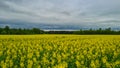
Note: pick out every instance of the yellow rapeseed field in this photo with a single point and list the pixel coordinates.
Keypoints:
(59, 51)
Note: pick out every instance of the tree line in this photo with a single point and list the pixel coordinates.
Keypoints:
(8, 30)
(19, 31)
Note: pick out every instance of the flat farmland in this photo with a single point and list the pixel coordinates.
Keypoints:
(59, 51)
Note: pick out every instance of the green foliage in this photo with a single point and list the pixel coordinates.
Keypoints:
(8, 30)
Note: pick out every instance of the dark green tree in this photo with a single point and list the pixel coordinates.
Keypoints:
(7, 30)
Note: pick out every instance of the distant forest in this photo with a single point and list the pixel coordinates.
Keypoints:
(9, 31)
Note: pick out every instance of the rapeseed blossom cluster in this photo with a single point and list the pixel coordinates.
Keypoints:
(59, 51)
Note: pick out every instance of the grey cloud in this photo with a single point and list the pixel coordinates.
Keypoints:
(80, 12)
(3, 6)
(65, 13)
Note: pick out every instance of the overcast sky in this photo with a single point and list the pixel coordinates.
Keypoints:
(78, 12)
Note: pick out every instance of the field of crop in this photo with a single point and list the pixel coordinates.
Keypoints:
(59, 51)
